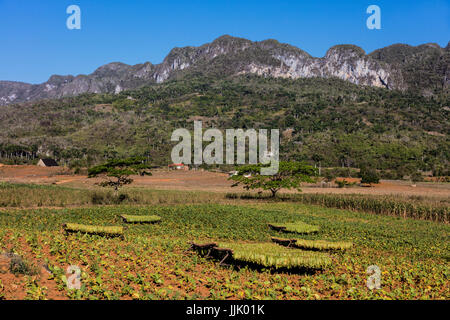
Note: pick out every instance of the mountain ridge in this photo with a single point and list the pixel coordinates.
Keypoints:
(392, 67)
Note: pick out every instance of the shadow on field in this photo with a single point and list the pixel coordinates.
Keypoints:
(238, 265)
(226, 260)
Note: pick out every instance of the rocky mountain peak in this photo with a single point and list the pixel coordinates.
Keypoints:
(58, 80)
(346, 51)
(113, 67)
(226, 56)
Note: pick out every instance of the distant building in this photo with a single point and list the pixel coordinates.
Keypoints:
(47, 163)
(178, 166)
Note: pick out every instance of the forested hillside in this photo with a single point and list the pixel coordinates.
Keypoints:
(330, 121)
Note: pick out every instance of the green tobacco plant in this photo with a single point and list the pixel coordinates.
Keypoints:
(140, 219)
(271, 255)
(290, 175)
(313, 244)
(151, 262)
(118, 172)
(294, 227)
(112, 231)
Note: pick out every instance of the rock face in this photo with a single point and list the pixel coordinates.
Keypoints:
(425, 68)
(348, 63)
(388, 67)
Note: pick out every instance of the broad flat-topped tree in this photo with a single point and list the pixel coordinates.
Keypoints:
(118, 172)
(290, 175)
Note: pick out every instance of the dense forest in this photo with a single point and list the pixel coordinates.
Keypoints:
(326, 122)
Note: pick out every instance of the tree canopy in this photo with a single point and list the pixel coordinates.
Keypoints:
(369, 175)
(117, 171)
(290, 176)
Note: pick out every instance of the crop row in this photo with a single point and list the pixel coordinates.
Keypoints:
(378, 205)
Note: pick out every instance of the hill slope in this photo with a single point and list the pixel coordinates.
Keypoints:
(330, 119)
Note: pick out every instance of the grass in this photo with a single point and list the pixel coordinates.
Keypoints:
(16, 195)
(407, 207)
(29, 195)
(272, 256)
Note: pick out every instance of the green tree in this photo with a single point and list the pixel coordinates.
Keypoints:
(289, 176)
(117, 172)
(317, 158)
(329, 175)
(369, 175)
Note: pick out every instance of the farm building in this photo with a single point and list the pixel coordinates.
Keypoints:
(178, 166)
(47, 163)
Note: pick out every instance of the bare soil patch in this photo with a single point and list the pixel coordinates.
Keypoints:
(209, 181)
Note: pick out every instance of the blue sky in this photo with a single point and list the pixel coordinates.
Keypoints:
(35, 42)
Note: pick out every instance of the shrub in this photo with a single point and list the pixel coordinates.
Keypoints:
(416, 177)
(98, 197)
(17, 266)
(344, 183)
(369, 175)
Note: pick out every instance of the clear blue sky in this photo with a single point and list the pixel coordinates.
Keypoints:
(35, 42)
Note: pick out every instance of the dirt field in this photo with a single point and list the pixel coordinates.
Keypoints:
(206, 181)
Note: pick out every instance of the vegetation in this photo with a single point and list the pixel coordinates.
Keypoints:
(25, 195)
(342, 124)
(30, 195)
(100, 230)
(406, 207)
(344, 183)
(153, 261)
(416, 177)
(288, 176)
(118, 172)
(18, 266)
(423, 67)
(369, 176)
(314, 244)
(295, 227)
(329, 127)
(140, 219)
(272, 256)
